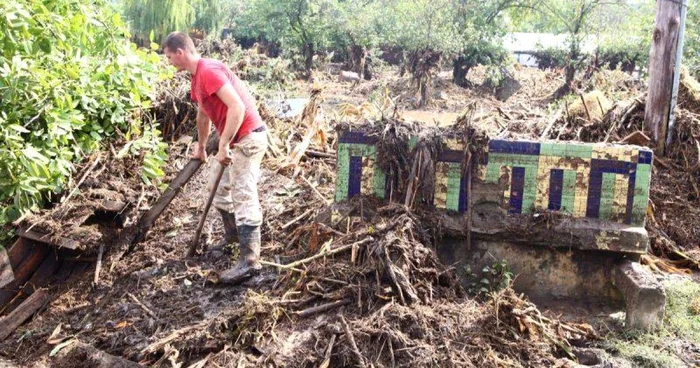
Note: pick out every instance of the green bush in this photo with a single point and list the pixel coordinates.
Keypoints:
(551, 57)
(624, 53)
(69, 78)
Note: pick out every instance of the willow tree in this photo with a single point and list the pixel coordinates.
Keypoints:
(160, 17)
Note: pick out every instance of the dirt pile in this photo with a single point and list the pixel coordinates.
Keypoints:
(95, 209)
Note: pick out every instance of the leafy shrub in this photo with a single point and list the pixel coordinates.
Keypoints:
(69, 78)
(624, 53)
(551, 57)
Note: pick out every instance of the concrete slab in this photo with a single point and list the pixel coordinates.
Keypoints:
(644, 296)
(541, 273)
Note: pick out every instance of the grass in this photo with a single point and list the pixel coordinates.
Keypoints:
(682, 322)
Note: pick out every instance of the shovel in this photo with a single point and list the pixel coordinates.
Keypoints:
(193, 247)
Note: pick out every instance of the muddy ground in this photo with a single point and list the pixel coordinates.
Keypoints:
(390, 301)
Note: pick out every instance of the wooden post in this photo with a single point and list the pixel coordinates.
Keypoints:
(661, 64)
(677, 73)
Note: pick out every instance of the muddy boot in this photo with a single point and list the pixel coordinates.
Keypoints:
(230, 234)
(248, 262)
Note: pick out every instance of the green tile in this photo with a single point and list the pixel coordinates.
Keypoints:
(412, 142)
(493, 172)
(513, 160)
(530, 188)
(454, 180)
(641, 194)
(566, 150)
(379, 181)
(607, 196)
(356, 149)
(342, 173)
(568, 192)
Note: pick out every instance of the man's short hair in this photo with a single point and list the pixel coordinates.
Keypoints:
(179, 40)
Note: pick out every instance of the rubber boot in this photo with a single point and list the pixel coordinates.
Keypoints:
(230, 233)
(248, 264)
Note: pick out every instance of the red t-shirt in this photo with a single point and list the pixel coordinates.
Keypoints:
(206, 81)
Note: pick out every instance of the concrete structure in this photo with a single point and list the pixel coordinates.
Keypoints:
(568, 217)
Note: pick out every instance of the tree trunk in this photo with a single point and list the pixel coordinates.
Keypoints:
(421, 64)
(356, 62)
(661, 63)
(308, 53)
(460, 70)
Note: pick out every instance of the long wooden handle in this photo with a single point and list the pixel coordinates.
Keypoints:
(198, 234)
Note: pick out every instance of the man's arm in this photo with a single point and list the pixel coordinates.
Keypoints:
(203, 129)
(234, 119)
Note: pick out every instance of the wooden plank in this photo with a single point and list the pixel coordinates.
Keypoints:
(661, 64)
(150, 217)
(41, 278)
(23, 273)
(65, 271)
(19, 251)
(46, 238)
(9, 323)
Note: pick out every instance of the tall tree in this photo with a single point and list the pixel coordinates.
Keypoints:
(480, 28)
(300, 25)
(161, 17)
(576, 18)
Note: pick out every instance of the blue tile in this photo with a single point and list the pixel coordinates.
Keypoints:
(514, 147)
(594, 190)
(358, 137)
(645, 157)
(451, 156)
(355, 179)
(517, 185)
(556, 183)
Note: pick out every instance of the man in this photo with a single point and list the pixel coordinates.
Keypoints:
(223, 99)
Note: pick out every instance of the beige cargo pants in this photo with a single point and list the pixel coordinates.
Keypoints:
(238, 190)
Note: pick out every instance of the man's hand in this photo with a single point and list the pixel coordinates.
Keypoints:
(223, 157)
(200, 153)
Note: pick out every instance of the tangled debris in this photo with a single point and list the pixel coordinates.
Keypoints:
(361, 287)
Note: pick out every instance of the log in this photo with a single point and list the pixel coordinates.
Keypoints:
(150, 217)
(323, 308)
(24, 272)
(40, 279)
(19, 251)
(9, 323)
(661, 64)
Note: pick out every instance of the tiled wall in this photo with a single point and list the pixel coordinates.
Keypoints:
(607, 182)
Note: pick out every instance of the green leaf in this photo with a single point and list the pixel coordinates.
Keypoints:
(60, 346)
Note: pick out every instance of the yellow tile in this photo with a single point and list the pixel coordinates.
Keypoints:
(581, 198)
(454, 144)
(441, 185)
(620, 197)
(367, 183)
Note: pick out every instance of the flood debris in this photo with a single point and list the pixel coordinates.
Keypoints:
(359, 285)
